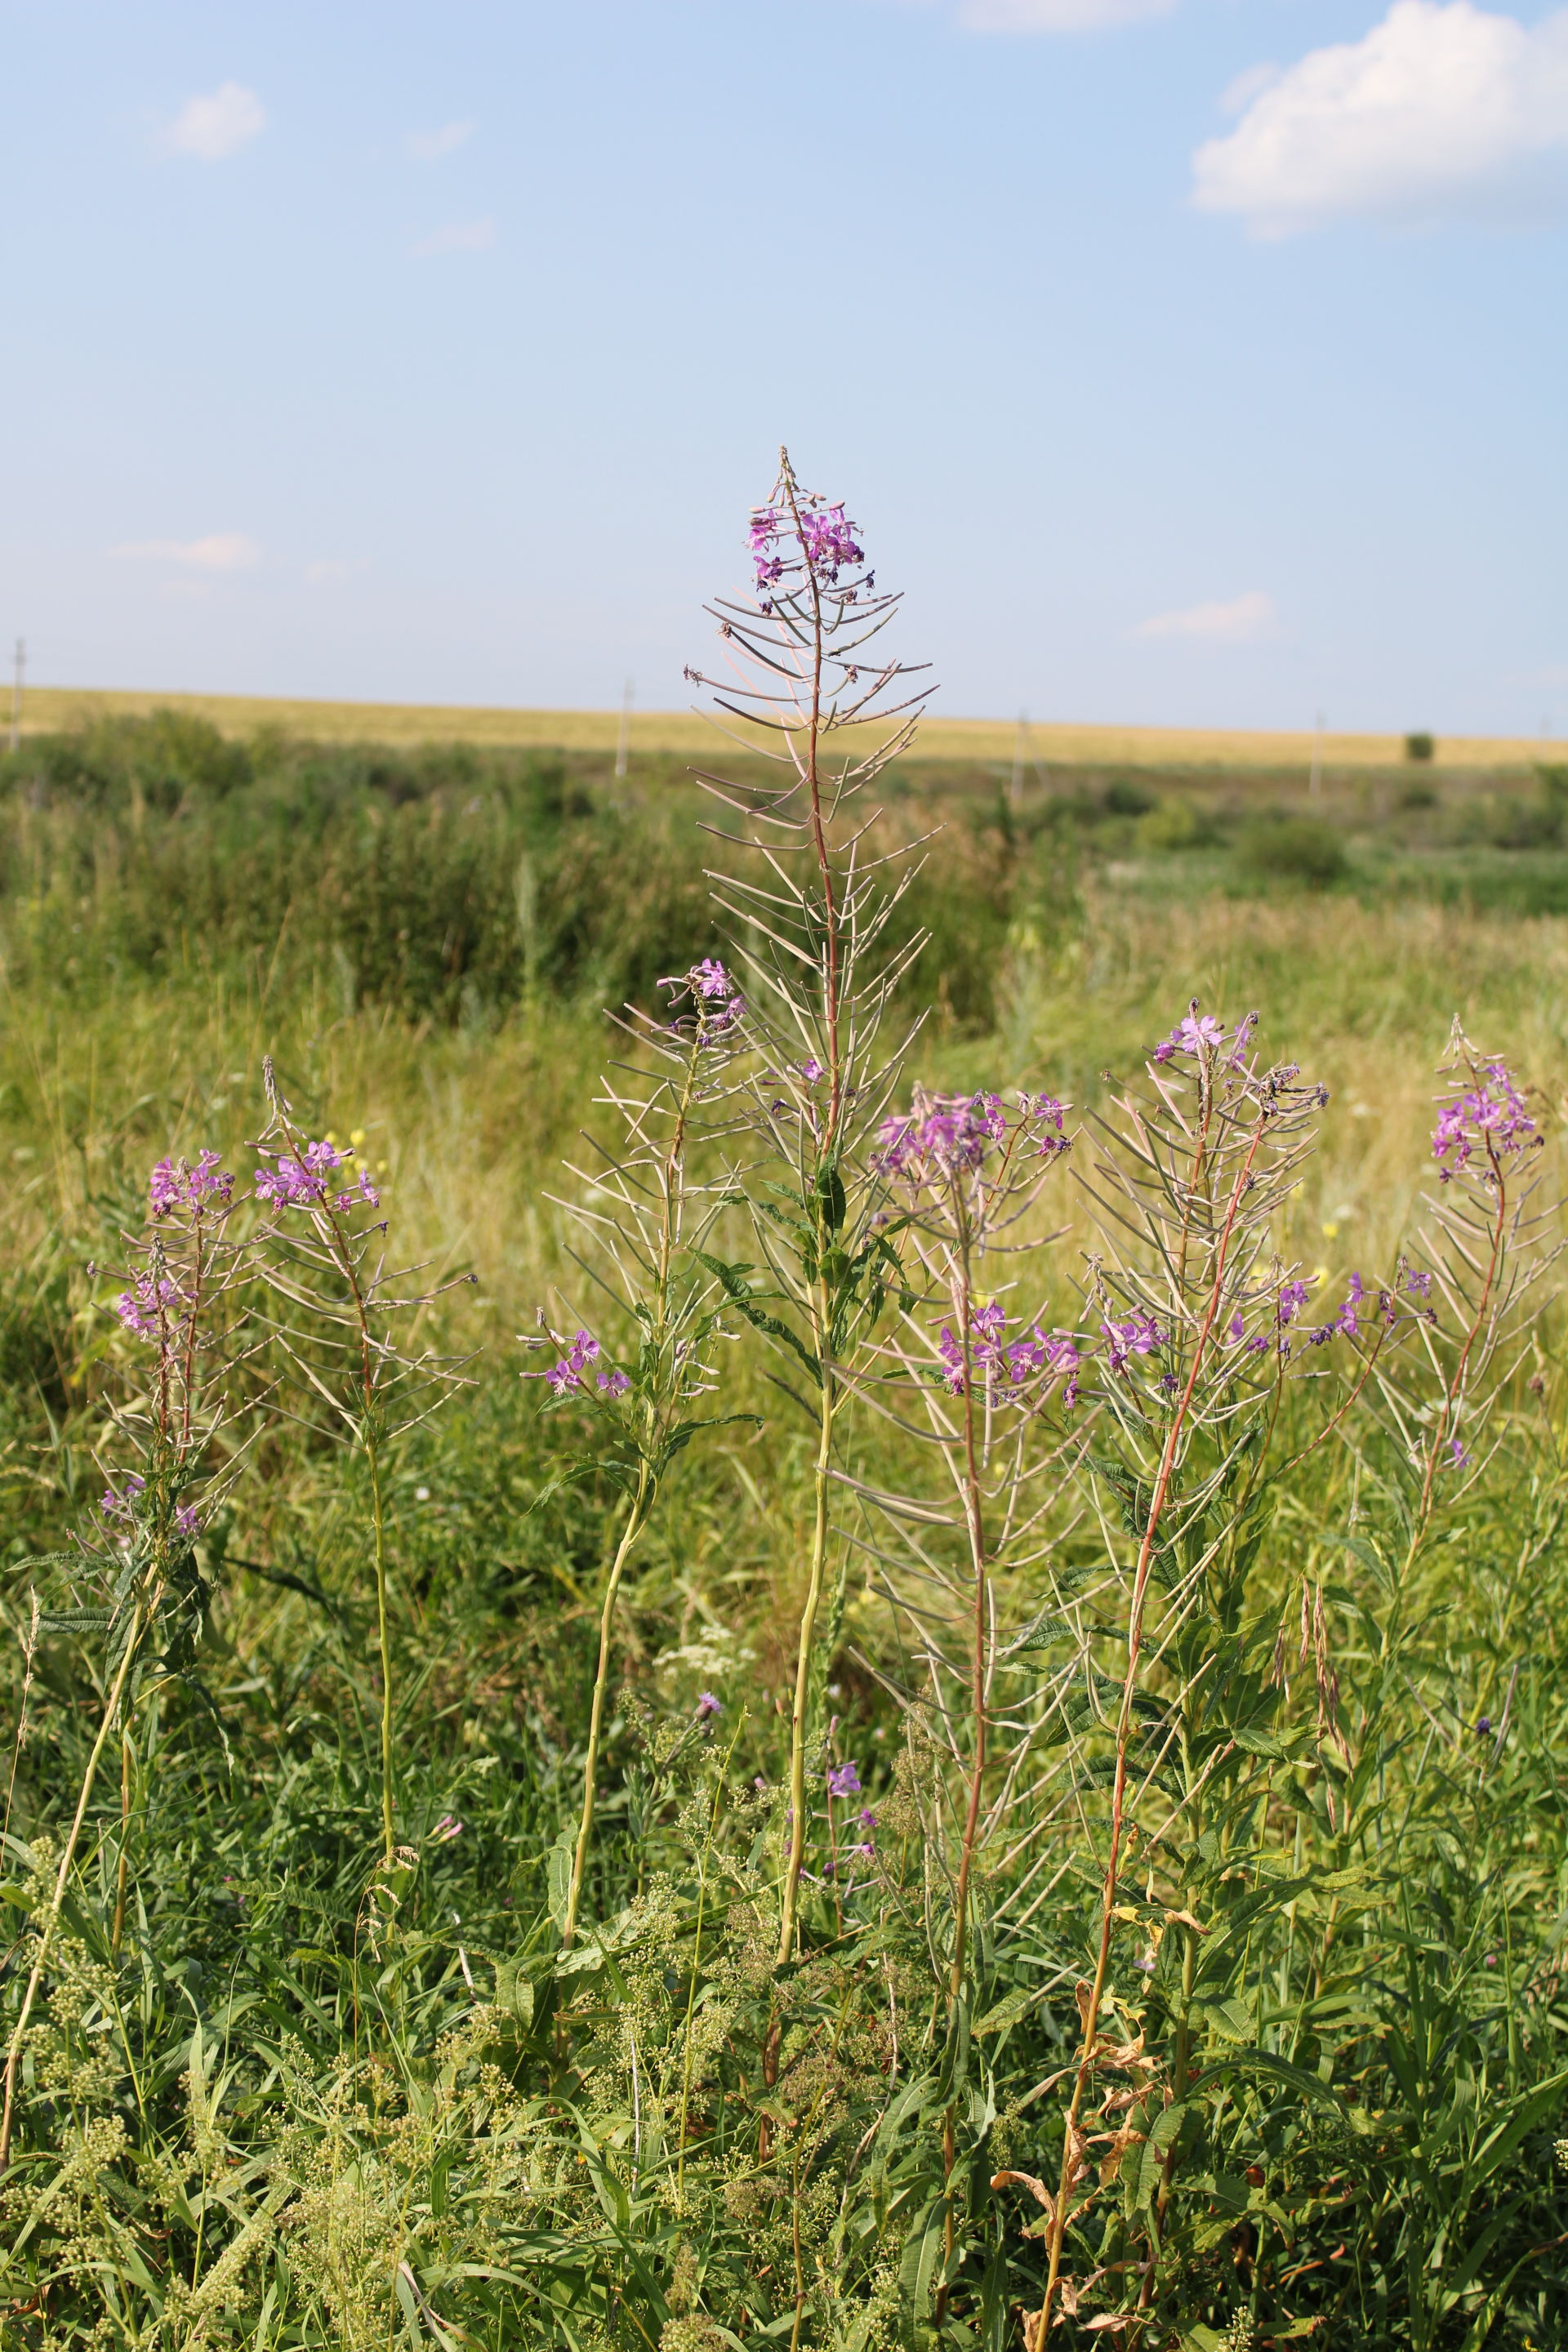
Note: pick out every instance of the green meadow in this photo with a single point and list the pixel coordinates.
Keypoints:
(275, 2093)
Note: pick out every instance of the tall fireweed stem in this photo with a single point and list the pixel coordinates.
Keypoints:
(631, 1528)
(805, 1651)
(646, 1236)
(384, 1643)
(1111, 1883)
(322, 1252)
(807, 930)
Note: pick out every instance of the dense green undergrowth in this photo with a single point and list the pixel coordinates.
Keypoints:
(280, 2092)
(454, 884)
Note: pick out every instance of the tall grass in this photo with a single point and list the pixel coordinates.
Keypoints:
(299, 2097)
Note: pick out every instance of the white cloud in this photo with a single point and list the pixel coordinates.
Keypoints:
(466, 237)
(1242, 621)
(335, 567)
(218, 124)
(1237, 95)
(1054, 16)
(429, 146)
(223, 551)
(1441, 109)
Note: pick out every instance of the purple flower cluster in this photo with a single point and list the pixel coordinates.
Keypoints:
(1490, 1118)
(829, 541)
(1200, 1033)
(175, 1184)
(299, 1181)
(763, 538)
(1018, 1361)
(1047, 1115)
(956, 1133)
(566, 1377)
(843, 1780)
(1133, 1335)
(140, 1307)
(827, 538)
(719, 1004)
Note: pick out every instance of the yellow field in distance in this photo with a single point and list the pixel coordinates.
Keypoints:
(689, 735)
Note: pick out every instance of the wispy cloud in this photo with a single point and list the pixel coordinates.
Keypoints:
(1242, 621)
(429, 146)
(218, 124)
(335, 567)
(464, 237)
(1054, 16)
(228, 551)
(1442, 111)
(1045, 15)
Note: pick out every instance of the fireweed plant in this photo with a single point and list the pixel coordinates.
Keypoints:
(338, 1308)
(1127, 1933)
(644, 1218)
(805, 663)
(139, 1580)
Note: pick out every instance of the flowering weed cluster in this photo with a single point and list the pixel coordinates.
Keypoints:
(1077, 1895)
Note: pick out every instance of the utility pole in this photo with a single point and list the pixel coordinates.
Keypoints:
(1315, 781)
(624, 739)
(19, 671)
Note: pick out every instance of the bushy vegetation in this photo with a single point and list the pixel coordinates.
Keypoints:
(837, 1842)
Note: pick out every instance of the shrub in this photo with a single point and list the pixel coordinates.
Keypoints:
(1123, 797)
(1171, 824)
(1292, 849)
(1420, 746)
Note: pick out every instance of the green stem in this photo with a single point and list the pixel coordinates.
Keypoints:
(635, 1519)
(383, 1635)
(51, 1917)
(803, 1662)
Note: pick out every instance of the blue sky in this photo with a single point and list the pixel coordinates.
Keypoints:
(1198, 362)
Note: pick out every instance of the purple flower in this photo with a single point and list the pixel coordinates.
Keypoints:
(1046, 1113)
(446, 1829)
(708, 1705)
(867, 1818)
(1457, 1457)
(1293, 1297)
(1135, 1335)
(615, 1383)
(1197, 1033)
(364, 1191)
(298, 1182)
(843, 1780)
(951, 1350)
(141, 1309)
(121, 1505)
(944, 1134)
(1035, 1353)
(720, 1004)
(566, 1378)
(175, 1184)
(1490, 1116)
(829, 541)
(1418, 1285)
(187, 1519)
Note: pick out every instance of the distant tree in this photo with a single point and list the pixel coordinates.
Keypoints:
(1419, 746)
